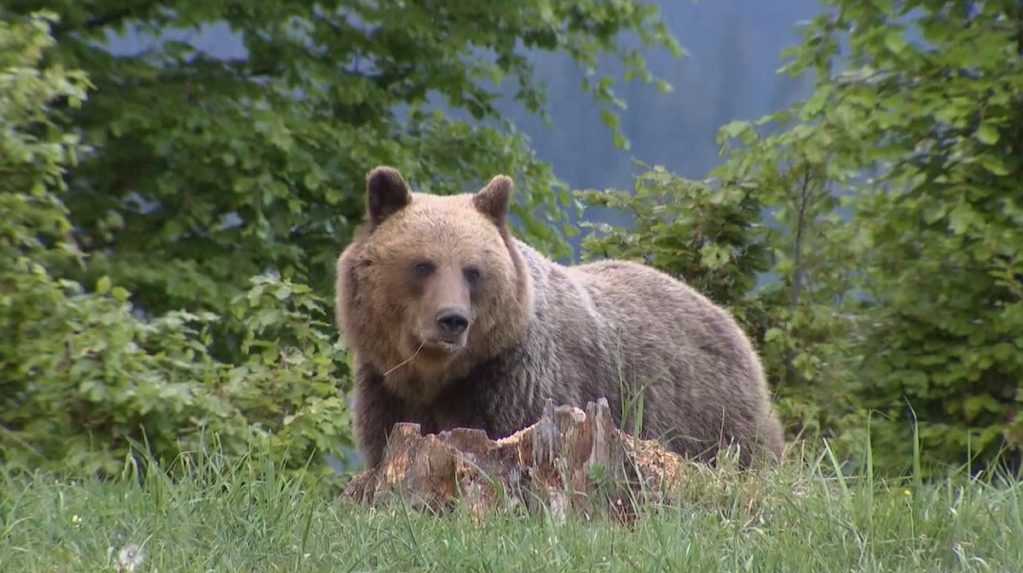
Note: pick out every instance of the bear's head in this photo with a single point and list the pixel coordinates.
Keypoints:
(432, 285)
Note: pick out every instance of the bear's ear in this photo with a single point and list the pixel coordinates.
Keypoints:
(386, 194)
(494, 199)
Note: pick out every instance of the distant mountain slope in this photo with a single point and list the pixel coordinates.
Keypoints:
(734, 49)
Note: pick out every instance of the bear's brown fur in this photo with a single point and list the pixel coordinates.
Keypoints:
(455, 323)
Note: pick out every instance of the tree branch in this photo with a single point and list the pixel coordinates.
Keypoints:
(105, 20)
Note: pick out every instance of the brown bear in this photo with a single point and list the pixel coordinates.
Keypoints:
(455, 323)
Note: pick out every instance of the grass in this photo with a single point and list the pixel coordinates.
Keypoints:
(249, 516)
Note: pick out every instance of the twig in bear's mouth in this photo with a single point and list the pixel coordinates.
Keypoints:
(407, 360)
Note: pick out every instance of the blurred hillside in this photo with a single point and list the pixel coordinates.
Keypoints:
(733, 49)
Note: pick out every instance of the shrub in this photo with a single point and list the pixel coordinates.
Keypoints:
(86, 376)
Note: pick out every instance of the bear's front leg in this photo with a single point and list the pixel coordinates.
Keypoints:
(376, 412)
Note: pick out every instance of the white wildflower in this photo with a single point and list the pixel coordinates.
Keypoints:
(129, 558)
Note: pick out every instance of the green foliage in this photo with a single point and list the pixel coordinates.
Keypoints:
(934, 121)
(290, 387)
(85, 378)
(207, 171)
(870, 238)
(34, 152)
(810, 323)
(894, 222)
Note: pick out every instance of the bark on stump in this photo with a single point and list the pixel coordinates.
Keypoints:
(569, 461)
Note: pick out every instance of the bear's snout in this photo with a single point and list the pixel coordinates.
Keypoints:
(452, 323)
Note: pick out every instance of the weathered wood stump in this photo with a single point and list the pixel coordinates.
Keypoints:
(569, 460)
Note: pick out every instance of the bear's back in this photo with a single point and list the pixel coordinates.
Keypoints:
(637, 328)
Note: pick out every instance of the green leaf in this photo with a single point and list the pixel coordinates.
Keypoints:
(817, 101)
(895, 41)
(994, 164)
(120, 294)
(987, 134)
(732, 130)
(714, 256)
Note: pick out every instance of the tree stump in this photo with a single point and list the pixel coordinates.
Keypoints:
(569, 461)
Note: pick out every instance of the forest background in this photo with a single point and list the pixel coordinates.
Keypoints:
(177, 179)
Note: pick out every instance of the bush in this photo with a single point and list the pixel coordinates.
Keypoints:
(925, 116)
(87, 377)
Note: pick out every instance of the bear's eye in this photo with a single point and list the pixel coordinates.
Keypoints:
(472, 275)
(423, 269)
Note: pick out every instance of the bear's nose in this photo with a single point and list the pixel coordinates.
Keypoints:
(452, 321)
